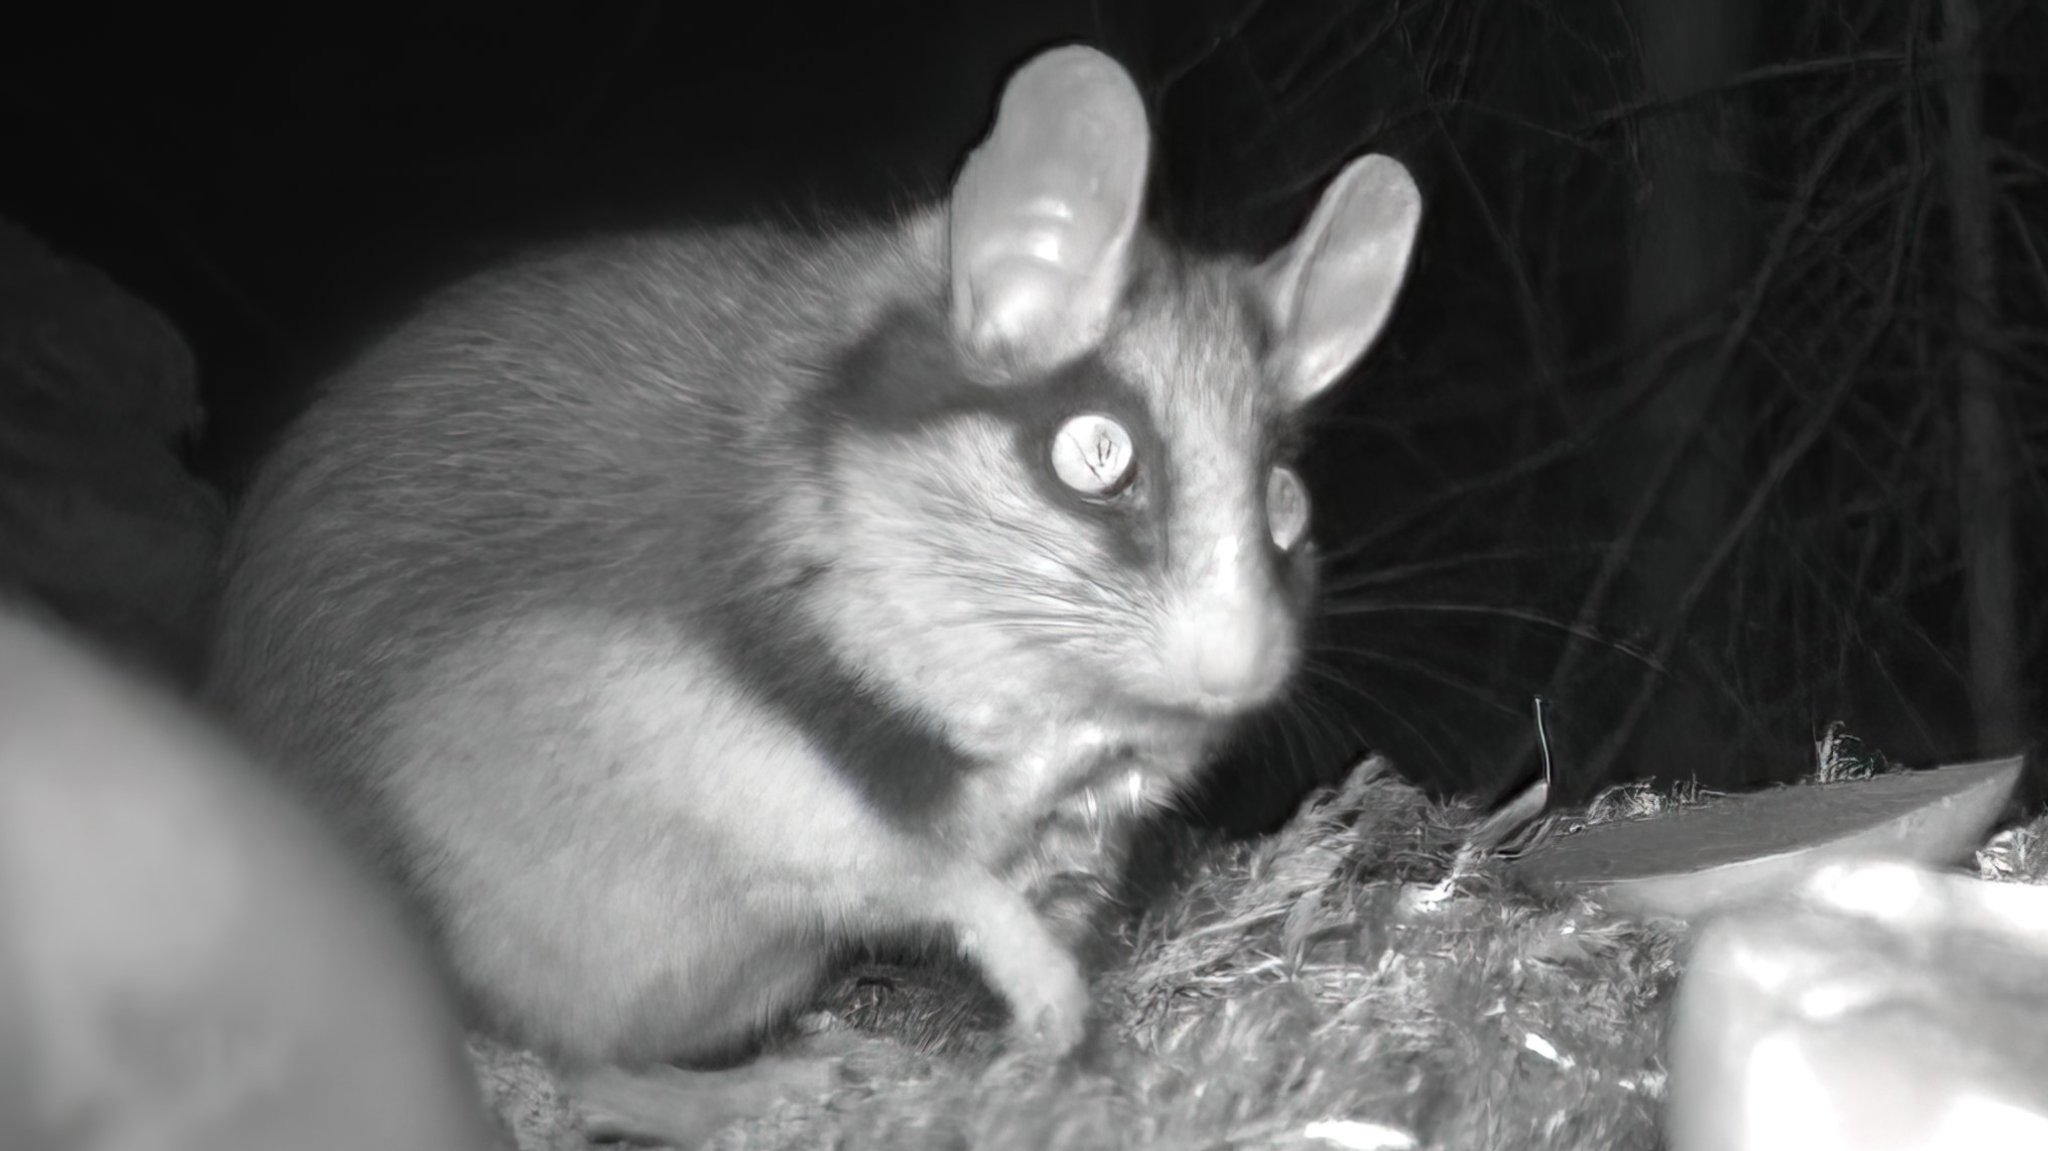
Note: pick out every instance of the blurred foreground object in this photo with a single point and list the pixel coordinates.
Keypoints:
(1690, 861)
(185, 961)
(1883, 1007)
(99, 517)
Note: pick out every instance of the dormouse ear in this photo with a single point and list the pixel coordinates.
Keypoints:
(1045, 210)
(1330, 291)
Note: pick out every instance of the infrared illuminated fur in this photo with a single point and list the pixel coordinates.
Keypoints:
(669, 612)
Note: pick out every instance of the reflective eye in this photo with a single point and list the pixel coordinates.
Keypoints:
(1286, 508)
(1092, 454)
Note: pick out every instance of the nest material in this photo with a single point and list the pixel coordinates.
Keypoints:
(1324, 987)
(1329, 987)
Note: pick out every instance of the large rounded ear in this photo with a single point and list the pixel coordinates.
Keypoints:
(1330, 291)
(1045, 211)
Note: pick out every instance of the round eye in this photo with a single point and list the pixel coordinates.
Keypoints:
(1093, 455)
(1286, 508)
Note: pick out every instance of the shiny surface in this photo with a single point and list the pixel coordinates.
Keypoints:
(1884, 1007)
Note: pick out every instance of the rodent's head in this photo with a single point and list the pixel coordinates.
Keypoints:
(1074, 474)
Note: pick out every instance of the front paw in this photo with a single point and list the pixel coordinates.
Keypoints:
(1050, 1010)
(1037, 977)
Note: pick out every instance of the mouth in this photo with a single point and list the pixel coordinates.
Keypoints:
(1220, 706)
(1210, 709)
(1179, 703)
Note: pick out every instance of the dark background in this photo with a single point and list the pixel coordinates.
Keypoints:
(1666, 430)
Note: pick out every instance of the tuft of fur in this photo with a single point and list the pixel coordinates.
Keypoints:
(1330, 978)
(1321, 976)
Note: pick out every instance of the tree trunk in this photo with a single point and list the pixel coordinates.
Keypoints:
(1985, 459)
(1692, 240)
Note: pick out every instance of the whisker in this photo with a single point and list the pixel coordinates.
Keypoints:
(1335, 721)
(1339, 579)
(1429, 672)
(1322, 671)
(1522, 615)
(1400, 718)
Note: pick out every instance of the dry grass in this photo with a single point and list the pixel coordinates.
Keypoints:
(1324, 975)
(1325, 988)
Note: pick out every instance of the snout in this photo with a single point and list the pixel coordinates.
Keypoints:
(1230, 658)
(1231, 642)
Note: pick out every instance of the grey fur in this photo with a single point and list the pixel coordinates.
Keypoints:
(601, 608)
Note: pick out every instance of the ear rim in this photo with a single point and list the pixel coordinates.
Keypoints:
(1383, 192)
(1066, 93)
